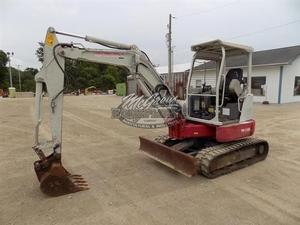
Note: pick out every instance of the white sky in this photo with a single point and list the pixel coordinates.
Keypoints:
(143, 22)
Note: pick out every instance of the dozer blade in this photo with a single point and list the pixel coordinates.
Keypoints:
(55, 180)
(181, 162)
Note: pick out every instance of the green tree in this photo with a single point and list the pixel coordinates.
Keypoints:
(40, 52)
(118, 73)
(3, 69)
(82, 74)
(107, 82)
(32, 71)
(27, 79)
(3, 59)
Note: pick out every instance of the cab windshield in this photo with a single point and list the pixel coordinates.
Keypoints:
(203, 77)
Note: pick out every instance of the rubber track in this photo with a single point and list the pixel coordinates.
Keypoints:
(206, 156)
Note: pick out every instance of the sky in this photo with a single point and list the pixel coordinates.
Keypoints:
(261, 24)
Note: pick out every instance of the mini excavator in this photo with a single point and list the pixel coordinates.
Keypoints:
(213, 128)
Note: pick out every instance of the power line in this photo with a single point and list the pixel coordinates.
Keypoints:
(209, 10)
(265, 29)
(254, 32)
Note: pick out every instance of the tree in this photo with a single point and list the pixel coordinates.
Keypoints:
(3, 59)
(82, 74)
(107, 82)
(27, 78)
(118, 73)
(3, 69)
(40, 52)
(32, 71)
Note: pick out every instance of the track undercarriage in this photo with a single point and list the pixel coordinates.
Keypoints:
(206, 157)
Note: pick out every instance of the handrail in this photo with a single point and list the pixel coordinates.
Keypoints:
(223, 91)
(202, 95)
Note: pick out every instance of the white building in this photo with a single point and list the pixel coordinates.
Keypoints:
(275, 76)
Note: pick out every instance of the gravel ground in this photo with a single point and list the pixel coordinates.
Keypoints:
(129, 188)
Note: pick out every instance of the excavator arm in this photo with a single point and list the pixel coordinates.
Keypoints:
(54, 178)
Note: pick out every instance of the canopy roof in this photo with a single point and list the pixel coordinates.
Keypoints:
(214, 48)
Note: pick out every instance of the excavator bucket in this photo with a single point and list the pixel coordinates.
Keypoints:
(55, 180)
(171, 157)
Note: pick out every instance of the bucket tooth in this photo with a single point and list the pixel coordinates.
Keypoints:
(55, 180)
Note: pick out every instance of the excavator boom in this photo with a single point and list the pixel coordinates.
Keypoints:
(54, 179)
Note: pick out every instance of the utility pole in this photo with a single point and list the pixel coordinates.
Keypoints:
(169, 41)
(20, 86)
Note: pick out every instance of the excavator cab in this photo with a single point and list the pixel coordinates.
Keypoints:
(216, 94)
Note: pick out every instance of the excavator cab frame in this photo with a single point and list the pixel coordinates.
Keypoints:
(210, 102)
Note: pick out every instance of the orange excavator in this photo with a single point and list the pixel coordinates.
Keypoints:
(209, 133)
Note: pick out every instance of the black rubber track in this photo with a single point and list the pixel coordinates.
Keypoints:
(211, 155)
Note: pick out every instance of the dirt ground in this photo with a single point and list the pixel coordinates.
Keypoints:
(127, 187)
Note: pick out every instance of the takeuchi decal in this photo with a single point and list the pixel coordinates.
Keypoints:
(107, 53)
(155, 111)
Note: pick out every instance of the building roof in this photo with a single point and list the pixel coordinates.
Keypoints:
(278, 56)
(176, 68)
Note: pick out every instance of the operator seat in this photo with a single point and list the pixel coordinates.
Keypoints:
(234, 79)
(233, 90)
